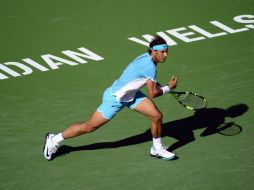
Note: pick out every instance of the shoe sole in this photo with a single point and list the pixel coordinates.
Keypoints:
(45, 141)
(160, 157)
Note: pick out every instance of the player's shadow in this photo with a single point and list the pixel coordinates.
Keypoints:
(209, 119)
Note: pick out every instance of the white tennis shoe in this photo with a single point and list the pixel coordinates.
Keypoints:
(50, 147)
(162, 153)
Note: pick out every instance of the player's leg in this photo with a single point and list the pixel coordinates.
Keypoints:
(90, 125)
(106, 111)
(52, 141)
(147, 107)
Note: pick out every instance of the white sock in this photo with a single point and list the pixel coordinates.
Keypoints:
(58, 138)
(157, 143)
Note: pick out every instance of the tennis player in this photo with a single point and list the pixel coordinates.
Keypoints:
(125, 92)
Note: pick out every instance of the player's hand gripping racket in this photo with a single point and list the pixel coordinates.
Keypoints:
(190, 100)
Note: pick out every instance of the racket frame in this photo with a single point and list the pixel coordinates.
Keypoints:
(176, 95)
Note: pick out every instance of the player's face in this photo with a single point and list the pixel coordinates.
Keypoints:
(160, 56)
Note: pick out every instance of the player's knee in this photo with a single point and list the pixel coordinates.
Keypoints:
(157, 116)
(88, 127)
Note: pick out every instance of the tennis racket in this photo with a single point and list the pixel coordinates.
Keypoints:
(190, 100)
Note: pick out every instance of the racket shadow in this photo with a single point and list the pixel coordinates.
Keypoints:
(209, 119)
(212, 120)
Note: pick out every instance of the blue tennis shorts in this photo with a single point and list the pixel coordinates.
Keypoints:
(110, 106)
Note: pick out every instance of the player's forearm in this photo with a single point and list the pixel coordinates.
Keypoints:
(155, 92)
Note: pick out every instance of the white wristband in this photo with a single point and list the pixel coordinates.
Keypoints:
(165, 89)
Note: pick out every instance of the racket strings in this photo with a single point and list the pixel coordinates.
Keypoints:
(193, 101)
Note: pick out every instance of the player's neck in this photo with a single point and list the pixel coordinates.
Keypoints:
(155, 61)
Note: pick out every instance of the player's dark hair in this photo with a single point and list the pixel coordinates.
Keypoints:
(157, 40)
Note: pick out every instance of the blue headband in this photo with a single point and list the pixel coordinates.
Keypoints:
(159, 47)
